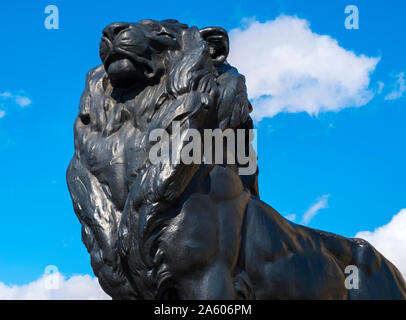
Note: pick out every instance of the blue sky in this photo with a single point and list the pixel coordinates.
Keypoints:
(353, 156)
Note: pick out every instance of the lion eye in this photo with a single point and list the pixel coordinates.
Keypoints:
(165, 34)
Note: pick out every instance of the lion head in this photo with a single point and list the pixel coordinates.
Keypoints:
(140, 53)
(153, 73)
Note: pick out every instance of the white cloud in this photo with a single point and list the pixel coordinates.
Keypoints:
(380, 87)
(2, 113)
(399, 88)
(6, 95)
(22, 101)
(55, 287)
(289, 68)
(390, 240)
(321, 203)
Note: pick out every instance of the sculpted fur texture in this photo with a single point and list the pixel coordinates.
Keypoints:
(191, 231)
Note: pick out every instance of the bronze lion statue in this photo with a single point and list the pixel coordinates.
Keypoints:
(198, 230)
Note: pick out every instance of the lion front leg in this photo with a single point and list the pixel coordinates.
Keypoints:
(98, 217)
(200, 245)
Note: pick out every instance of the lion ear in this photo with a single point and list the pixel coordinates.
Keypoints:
(217, 38)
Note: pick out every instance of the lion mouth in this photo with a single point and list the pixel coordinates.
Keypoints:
(114, 58)
(119, 63)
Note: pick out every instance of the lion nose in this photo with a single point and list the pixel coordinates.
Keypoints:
(114, 29)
